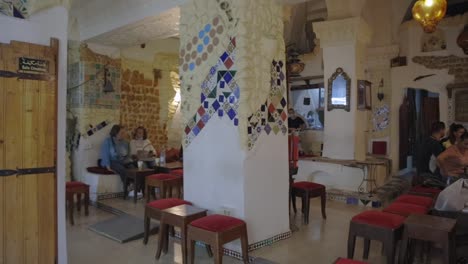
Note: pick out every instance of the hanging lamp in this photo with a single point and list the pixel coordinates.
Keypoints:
(429, 13)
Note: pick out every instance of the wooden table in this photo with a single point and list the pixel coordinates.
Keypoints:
(179, 216)
(432, 229)
(138, 176)
(166, 168)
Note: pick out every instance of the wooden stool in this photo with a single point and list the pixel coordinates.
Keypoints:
(76, 188)
(308, 190)
(429, 228)
(164, 182)
(375, 225)
(415, 199)
(405, 209)
(178, 216)
(153, 210)
(348, 261)
(217, 230)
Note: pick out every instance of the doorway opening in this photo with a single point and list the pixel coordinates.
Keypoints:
(419, 109)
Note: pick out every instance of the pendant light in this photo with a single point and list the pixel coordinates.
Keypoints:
(429, 13)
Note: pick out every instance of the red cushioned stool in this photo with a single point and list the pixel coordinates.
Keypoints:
(178, 172)
(153, 211)
(405, 209)
(307, 190)
(415, 199)
(217, 230)
(348, 261)
(424, 191)
(165, 183)
(376, 225)
(76, 188)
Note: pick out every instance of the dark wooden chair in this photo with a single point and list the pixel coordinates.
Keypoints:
(376, 225)
(165, 183)
(77, 189)
(217, 230)
(432, 229)
(308, 190)
(153, 210)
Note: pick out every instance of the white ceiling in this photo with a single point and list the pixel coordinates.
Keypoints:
(154, 27)
(162, 26)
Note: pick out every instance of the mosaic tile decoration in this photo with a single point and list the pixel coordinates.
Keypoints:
(86, 86)
(197, 51)
(272, 116)
(220, 95)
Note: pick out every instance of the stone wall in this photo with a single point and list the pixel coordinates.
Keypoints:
(140, 102)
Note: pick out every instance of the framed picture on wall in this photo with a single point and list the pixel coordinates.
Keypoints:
(364, 97)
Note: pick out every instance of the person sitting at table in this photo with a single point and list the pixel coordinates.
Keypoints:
(454, 160)
(455, 132)
(140, 145)
(115, 153)
(294, 121)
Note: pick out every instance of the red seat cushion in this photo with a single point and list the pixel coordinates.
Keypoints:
(99, 170)
(162, 176)
(178, 172)
(378, 218)
(422, 189)
(75, 184)
(405, 209)
(217, 223)
(162, 204)
(415, 199)
(349, 261)
(308, 185)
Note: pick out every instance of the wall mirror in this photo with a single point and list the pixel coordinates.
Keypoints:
(339, 90)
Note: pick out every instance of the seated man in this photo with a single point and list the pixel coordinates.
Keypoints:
(428, 152)
(454, 160)
(294, 121)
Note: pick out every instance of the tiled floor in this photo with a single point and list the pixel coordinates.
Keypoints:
(321, 241)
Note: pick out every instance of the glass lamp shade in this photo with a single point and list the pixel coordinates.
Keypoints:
(429, 13)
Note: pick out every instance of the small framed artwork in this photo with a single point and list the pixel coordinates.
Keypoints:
(364, 96)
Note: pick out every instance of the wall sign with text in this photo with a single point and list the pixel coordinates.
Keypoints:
(33, 65)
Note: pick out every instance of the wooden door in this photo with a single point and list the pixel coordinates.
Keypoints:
(28, 114)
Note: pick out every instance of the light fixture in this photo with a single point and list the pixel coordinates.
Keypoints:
(429, 13)
(380, 94)
(177, 97)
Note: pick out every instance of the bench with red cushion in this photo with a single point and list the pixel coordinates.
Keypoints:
(348, 261)
(415, 199)
(178, 172)
(217, 223)
(376, 225)
(405, 209)
(217, 230)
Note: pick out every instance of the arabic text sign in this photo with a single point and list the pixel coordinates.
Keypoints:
(33, 65)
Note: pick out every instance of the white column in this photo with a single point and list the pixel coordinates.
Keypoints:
(343, 42)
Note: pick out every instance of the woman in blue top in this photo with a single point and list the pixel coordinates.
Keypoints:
(115, 152)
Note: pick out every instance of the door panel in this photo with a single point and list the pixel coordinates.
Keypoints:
(27, 140)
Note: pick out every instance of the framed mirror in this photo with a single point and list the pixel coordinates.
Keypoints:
(339, 91)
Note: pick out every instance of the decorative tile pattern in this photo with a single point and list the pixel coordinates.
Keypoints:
(219, 95)
(197, 51)
(271, 117)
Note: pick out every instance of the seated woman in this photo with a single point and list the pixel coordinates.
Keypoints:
(140, 145)
(455, 132)
(454, 160)
(115, 153)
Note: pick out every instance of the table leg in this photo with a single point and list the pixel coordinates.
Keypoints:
(183, 242)
(161, 238)
(135, 189)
